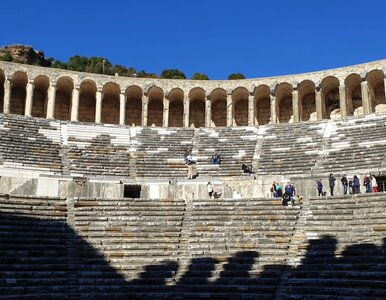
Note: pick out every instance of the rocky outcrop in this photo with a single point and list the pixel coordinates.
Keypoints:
(24, 54)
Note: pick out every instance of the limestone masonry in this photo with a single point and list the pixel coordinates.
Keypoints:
(74, 96)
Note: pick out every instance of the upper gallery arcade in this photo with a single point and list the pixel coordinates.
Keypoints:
(74, 96)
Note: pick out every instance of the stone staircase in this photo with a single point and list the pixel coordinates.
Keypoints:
(160, 152)
(235, 145)
(96, 150)
(289, 148)
(355, 144)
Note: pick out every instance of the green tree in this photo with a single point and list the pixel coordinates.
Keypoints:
(200, 76)
(77, 63)
(99, 65)
(172, 74)
(143, 74)
(234, 76)
(59, 65)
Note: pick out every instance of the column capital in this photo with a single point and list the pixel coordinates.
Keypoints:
(53, 83)
(99, 89)
(31, 81)
(295, 92)
(364, 83)
(122, 92)
(318, 88)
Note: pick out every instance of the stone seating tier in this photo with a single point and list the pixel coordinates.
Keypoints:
(190, 249)
(345, 258)
(23, 142)
(147, 152)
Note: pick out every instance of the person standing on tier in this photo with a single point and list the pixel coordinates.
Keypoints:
(356, 185)
(344, 182)
(319, 186)
(290, 190)
(331, 183)
(374, 184)
(366, 183)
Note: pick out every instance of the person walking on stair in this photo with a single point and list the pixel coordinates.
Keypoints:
(331, 182)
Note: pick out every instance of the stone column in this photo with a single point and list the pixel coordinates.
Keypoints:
(273, 109)
(251, 110)
(75, 103)
(165, 117)
(208, 112)
(318, 103)
(122, 107)
(186, 111)
(98, 108)
(145, 102)
(366, 100)
(343, 100)
(51, 100)
(29, 98)
(229, 110)
(7, 95)
(295, 105)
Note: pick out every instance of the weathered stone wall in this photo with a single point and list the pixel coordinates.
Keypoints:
(330, 82)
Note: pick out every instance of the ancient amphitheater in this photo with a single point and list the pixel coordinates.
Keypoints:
(95, 204)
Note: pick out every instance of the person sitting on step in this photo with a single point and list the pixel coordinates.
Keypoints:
(216, 159)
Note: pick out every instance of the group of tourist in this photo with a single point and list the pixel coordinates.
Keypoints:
(351, 185)
(287, 193)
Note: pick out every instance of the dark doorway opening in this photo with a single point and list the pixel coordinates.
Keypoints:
(381, 181)
(132, 191)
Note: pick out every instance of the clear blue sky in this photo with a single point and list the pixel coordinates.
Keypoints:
(215, 37)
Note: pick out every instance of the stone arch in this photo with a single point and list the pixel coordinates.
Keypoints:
(2, 81)
(133, 110)
(284, 102)
(376, 82)
(176, 108)
(218, 99)
(18, 93)
(40, 96)
(262, 100)
(63, 97)
(110, 103)
(87, 100)
(330, 95)
(354, 94)
(307, 101)
(197, 107)
(155, 107)
(240, 106)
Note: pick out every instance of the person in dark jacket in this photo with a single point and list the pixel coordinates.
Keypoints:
(319, 186)
(344, 182)
(331, 183)
(356, 184)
